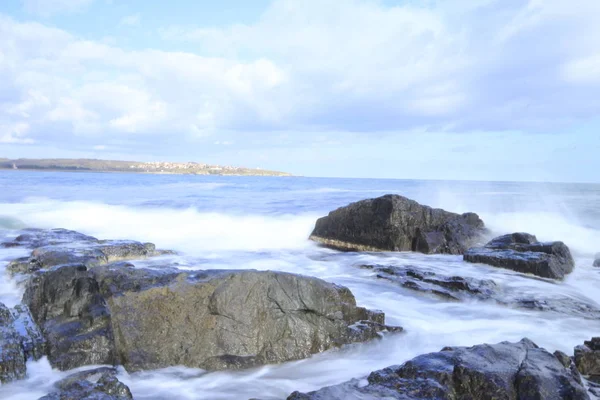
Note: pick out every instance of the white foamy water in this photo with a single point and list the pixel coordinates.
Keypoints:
(263, 223)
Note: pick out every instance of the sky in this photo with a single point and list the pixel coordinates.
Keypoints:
(421, 89)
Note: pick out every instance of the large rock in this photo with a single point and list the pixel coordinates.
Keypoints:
(597, 260)
(522, 252)
(20, 340)
(395, 223)
(510, 371)
(587, 359)
(59, 246)
(95, 384)
(152, 318)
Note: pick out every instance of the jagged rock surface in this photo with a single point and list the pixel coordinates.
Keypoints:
(522, 252)
(396, 223)
(511, 371)
(95, 384)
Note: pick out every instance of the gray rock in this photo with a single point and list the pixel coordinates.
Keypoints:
(20, 340)
(236, 319)
(395, 223)
(446, 287)
(95, 384)
(59, 246)
(522, 252)
(597, 260)
(587, 359)
(457, 288)
(66, 303)
(12, 357)
(511, 371)
(152, 318)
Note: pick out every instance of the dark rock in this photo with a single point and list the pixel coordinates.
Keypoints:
(95, 384)
(508, 371)
(597, 260)
(522, 252)
(12, 357)
(395, 223)
(147, 318)
(446, 287)
(20, 340)
(236, 319)
(457, 288)
(587, 359)
(66, 303)
(59, 246)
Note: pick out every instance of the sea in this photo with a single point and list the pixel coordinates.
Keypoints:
(263, 223)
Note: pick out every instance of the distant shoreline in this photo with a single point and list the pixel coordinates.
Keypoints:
(135, 167)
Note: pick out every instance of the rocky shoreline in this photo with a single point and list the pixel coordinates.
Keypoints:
(86, 304)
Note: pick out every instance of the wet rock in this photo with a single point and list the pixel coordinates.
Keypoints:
(446, 287)
(522, 252)
(59, 246)
(12, 357)
(597, 260)
(502, 371)
(395, 223)
(66, 303)
(20, 340)
(587, 359)
(457, 288)
(146, 318)
(236, 319)
(95, 384)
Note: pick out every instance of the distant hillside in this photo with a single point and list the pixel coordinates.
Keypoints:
(133, 166)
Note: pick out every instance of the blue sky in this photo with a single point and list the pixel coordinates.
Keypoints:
(446, 89)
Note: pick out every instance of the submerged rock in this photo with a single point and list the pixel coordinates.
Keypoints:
(152, 318)
(522, 252)
(511, 371)
(20, 340)
(587, 359)
(60, 246)
(457, 288)
(95, 384)
(446, 287)
(395, 223)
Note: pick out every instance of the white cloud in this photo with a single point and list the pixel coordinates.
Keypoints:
(48, 8)
(311, 66)
(131, 20)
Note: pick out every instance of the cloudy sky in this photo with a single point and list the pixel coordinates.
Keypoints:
(433, 89)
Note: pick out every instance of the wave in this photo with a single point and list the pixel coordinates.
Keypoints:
(185, 230)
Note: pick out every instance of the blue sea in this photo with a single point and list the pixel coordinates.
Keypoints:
(264, 222)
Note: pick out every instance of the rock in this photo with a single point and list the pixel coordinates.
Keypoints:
(587, 359)
(12, 357)
(95, 384)
(395, 223)
(457, 288)
(60, 246)
(522, 252)
(511, 371)
(597, 260)
(66, 303)
(446, 287)
(236, 319)
(146, 318)
(20, 340)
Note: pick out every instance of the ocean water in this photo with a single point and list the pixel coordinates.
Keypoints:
(263, 223)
